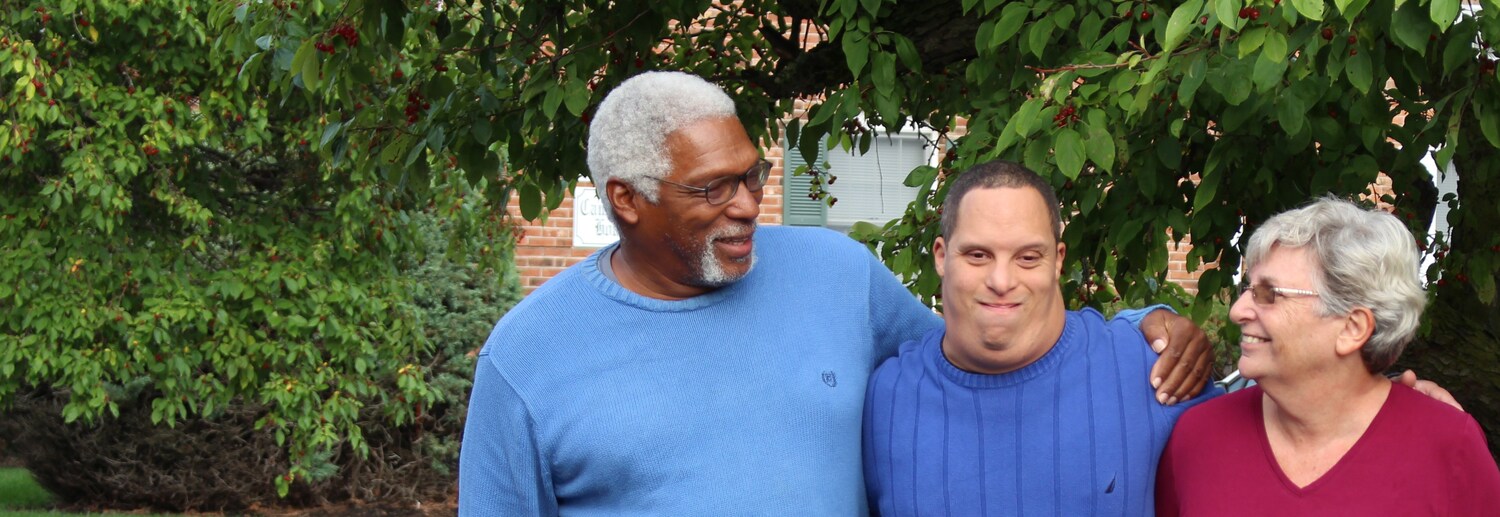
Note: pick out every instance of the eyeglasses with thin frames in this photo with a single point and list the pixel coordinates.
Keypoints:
(1265, 294)
(720, 191)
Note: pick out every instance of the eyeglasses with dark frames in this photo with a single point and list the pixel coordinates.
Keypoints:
(720, 191)
(1265, 294)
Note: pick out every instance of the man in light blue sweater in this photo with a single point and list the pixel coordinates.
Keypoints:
(701, 366)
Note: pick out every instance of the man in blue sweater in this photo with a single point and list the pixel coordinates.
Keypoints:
(701, 366)
(1018, 406)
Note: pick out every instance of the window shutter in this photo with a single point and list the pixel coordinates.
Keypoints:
(869, 187)
(797, 209)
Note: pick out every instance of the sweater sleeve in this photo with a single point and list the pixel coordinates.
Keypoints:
(500, 469)
(895, 314)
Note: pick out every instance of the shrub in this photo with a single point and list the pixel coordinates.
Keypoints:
(223, 459)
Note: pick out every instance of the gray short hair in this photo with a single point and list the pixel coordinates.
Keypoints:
(627, 138)
(1365, 258)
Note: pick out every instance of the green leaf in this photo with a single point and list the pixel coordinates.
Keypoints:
(577, 99)
(1275, 46)
(1444, 12)
(1169, 151)
(1025, 117)
(1357, 68)
(1038, 36)
(1100, 148)
(1068, 147)
(312, 71)
(552, 100)
(1228, 12)
(1459, 51)
(871, 6)
(856, 52)
(1268, 72)
(1183, 19)
(1351, 8)
(1011, 18)
(1411, 27)
(1251, 40)
(922, 175)
(531, 201)
(1192, 79)
(1207, 189)
(1489, 124)
(329, 132)
(299, 60)
(908, 53)
(1313, 9)
(1291, 112)
(481, 130)
(883, 71)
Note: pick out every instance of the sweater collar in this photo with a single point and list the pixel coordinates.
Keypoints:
(612, 289)
(1048, 362)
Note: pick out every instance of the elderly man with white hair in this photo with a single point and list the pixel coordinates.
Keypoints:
(1332, 299)
(701, 366)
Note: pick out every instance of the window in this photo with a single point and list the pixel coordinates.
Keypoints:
(868, 187)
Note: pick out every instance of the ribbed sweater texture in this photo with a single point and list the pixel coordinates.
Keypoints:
(1078, 432)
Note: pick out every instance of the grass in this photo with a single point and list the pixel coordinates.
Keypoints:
(20, 496)
(18, 490)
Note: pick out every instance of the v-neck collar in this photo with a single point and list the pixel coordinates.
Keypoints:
(1355, 450)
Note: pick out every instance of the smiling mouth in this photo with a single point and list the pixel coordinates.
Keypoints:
(998, 306)
(1247, 338)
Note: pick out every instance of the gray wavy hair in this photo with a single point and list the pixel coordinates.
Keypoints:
(627, 139)
(1366, 258)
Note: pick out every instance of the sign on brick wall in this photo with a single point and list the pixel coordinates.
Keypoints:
(591, 228)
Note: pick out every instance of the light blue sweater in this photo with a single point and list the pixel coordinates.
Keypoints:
(591, 400)
(1078, 432)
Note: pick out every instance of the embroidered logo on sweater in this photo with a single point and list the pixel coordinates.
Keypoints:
(829, 379)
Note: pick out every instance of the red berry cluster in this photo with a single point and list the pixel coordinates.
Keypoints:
(1067, 115)
(46, 17)
(346, 31)
(1328, 33)
(414, 106)
(339, 30)
(1250, 13)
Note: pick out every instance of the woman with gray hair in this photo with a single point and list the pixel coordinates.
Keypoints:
(1332, 298)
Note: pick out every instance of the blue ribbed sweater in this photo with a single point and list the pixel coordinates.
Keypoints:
(1078, 432)
(591, 400)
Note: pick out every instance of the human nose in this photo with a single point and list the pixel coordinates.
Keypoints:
(743, 204)
(1001, 278)
(1243, 309)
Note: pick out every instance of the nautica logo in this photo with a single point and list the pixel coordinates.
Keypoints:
(829, 379)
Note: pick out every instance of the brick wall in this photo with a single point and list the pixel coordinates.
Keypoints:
(1177, 266)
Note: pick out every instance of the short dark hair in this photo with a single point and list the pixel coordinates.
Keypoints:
(998, 174)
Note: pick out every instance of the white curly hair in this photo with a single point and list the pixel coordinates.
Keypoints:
(627, 139)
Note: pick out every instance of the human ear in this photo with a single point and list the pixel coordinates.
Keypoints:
(1359, 325)
(939, 254)
(624, 200)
